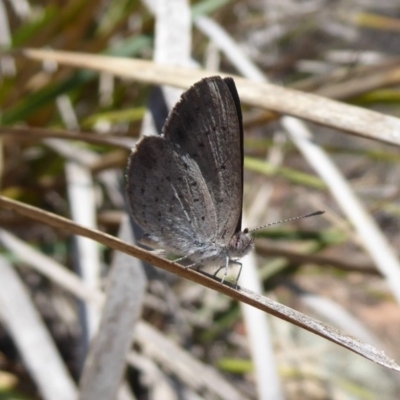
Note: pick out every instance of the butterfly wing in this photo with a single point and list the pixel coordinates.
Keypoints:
(206, 125)
(168, 197)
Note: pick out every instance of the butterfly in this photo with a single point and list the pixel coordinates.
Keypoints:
(185, 187)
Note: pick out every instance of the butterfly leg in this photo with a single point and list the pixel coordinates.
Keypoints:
(225, 270)
(240, 271)
(196, 264)
(187, 257)
(177, 260)
(217, 271)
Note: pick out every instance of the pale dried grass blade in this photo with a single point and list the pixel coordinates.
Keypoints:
(158, 382)
(246, 296)
(259, 336)
(7, 63)
(227, 45)
(46, 266)
(188, 368)
(83, 211)
(106, 361)
(35, 134)
(172, 46)
(330, 113)
(340, 316)
(32, 338)
(72, 153)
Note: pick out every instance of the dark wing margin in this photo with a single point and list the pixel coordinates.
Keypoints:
(235, 95)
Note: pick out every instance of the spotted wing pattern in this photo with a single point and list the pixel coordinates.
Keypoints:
(185, 187)
(207, 126)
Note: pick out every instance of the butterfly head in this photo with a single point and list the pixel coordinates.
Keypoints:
(240, 244)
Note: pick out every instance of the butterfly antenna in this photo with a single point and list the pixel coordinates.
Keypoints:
(286, 220)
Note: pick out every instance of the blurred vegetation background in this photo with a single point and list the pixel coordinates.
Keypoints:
(344, 49)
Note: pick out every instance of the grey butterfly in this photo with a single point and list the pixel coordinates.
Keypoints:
(185, 187)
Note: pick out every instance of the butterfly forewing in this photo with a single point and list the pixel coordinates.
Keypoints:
(206, 126)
